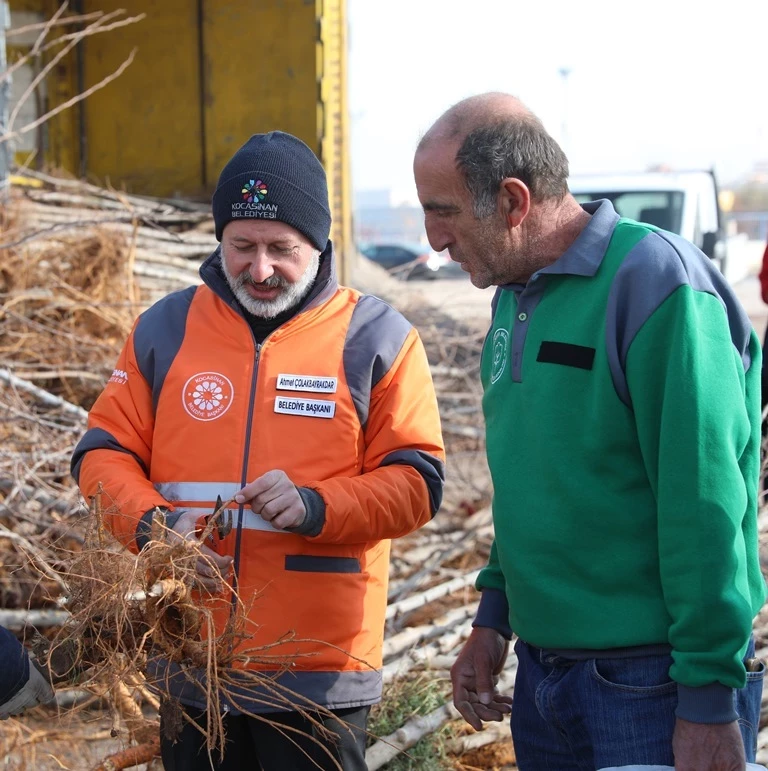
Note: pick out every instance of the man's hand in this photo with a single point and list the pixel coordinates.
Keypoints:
(275, 499)
(211, 568)
(474, 676)
(35, 691)
(703, 747)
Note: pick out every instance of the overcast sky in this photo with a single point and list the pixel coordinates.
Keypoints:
(682, 82)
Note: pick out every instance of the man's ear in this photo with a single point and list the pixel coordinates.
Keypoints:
(515, 201)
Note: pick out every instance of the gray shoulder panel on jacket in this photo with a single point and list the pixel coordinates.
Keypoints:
(658, 265)
(99, 439)
(158, 337)
(376, 335)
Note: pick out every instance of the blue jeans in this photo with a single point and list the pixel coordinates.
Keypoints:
(570, 715)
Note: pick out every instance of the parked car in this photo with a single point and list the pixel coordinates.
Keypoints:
(411, 261)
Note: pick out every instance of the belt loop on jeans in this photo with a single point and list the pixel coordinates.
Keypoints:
(545, 657)
(538, 653)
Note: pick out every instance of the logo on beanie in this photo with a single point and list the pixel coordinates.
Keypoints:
(254, 191)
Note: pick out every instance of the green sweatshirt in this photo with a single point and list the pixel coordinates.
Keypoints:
(622, 405)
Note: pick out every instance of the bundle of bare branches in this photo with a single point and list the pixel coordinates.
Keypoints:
(126, 609)
(39, 509)
(67, 308)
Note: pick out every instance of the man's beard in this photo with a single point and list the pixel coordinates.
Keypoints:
(494, 262)
(291, 294)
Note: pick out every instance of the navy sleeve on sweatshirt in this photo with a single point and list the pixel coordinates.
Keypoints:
(14, 666)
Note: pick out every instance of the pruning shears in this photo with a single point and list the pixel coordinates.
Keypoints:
(222, 526)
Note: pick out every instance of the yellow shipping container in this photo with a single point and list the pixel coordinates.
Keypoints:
(206, 74)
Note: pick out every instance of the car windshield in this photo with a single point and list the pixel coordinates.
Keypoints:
(662, 208)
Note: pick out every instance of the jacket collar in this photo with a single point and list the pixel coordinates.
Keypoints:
(585, 255)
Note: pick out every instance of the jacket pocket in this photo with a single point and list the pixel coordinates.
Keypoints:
(308, 563)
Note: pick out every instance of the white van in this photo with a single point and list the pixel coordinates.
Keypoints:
(682, 202)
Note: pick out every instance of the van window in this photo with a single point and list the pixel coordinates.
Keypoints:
(662, 208)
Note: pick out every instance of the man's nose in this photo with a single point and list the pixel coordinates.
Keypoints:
(261, 268)
(438, 236)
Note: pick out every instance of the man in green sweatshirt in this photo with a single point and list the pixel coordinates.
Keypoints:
(622, 403)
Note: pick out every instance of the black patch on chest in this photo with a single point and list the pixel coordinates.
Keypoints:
(568, 354)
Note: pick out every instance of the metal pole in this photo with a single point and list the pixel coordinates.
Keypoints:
(5, 98)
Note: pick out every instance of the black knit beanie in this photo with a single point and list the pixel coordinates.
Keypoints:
(275, 176)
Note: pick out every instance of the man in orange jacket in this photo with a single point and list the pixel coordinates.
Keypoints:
(312, 404)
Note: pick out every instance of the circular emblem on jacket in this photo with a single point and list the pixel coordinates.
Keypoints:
(207, 395)
(499, 353)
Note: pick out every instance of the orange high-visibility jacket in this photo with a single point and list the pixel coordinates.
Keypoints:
(340, 397)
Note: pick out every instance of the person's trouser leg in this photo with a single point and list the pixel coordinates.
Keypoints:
(627, 706)
(748, 701)
(288, 740)
(591, 714)
(188, 751)
(540, 730)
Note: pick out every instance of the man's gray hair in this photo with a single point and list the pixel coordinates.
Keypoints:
(517, 147)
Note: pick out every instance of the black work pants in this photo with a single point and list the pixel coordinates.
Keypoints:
(255, 745)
